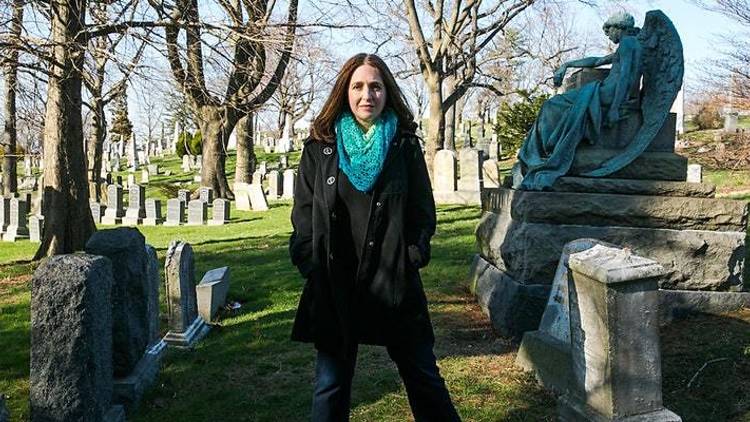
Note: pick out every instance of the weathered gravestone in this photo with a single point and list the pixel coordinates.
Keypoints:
(206, 194)
(614, 338)
(4, 213)
(153, 169)
(131, 180)
(263, 168)
(97, 211)
(114, 213)
(274, 185)
(491, 174)
(136, 205)
(444, 171)
(153, 212)
(257, 198)
(17, 227)
(197, 212)
(212, 292)
(135, 291)
(70, 377)
(36, 228)
(220, 212)
(185, 163)
(145, 176)
(126, 248)
(470, 163)
(186, 327)
(242, 196)
(258, 178)
(290, 176)
(284, 161)
(183, 195)
(175, 212)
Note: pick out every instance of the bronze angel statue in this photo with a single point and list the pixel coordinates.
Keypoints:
(649, 58)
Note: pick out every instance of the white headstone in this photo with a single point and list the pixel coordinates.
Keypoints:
(471, 169)
(694, 173)
(289, 179)
(444, 171)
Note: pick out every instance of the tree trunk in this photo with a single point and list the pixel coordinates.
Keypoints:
(215, 129)
(10, 173)
(246, 160)
(68, 222)
(449, 140)
(95, 146)
(436, 127)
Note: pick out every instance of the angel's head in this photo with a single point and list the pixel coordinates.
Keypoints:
(619, 24)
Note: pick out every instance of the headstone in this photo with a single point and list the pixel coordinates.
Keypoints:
(70, 377)
(27, 166)
(263, 168)
(275, 184)
(220, 212)
(185, 325)
(212, 292)
(114, 213)
(153, 212)
(491, 174)
(258, 178)
(206, 194)
(126, 249)
(199, 162)
(614, 332)
(471, 170)
(136, 205)
(730, 122)
(242, 196)
(152, 305)
(17, 227)
(197, 212)
(118, 180)
(175, 212)
(4, 213)
(36, 228)
(185, 163)
(284, 161)
(131, 180)
(145, 176)
(183, 195)
(444, 171)
(153, 169)
(695, 173)
(257, 198)
(132, 153)
(494, 148)
(290, 177)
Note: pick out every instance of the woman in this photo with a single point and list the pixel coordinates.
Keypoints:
(363, 216)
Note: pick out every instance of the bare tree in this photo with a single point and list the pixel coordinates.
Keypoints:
(10, 73)
(252, 78)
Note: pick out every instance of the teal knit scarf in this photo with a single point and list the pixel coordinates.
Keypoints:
(362, 155)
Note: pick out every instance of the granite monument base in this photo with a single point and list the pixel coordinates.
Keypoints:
(129, 390)
(187, 339)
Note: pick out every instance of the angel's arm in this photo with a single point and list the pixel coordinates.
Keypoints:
(584, 62)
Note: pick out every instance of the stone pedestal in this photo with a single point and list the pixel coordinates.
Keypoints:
(614, 329)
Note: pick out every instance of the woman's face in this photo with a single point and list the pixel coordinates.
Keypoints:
(613, 33)
(366, 95)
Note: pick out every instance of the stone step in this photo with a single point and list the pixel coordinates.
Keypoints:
(648, 166)
(594, 209)
(633, 187)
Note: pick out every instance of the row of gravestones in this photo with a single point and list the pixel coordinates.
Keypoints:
(95, 337)
(148, 211)
(14, 221)
(476, 172)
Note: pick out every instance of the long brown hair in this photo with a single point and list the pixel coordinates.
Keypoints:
(338, 100)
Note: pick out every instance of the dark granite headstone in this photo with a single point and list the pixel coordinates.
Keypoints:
(70, 375)
(126, 247)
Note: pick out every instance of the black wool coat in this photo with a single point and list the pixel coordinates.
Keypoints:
(385, 302)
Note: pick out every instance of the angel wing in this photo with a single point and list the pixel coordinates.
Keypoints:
(663, 68)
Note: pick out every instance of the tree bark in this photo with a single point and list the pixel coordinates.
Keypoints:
(10, 134)
(95, 147)
(246, 160)
(215, 129)
(68, 221)
(436, 127)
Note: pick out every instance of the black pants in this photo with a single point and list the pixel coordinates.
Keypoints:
(428, 396)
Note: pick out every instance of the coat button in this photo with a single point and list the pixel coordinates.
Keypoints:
(327, 150)
(331, 180)
(371, 243)
(378, 204)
